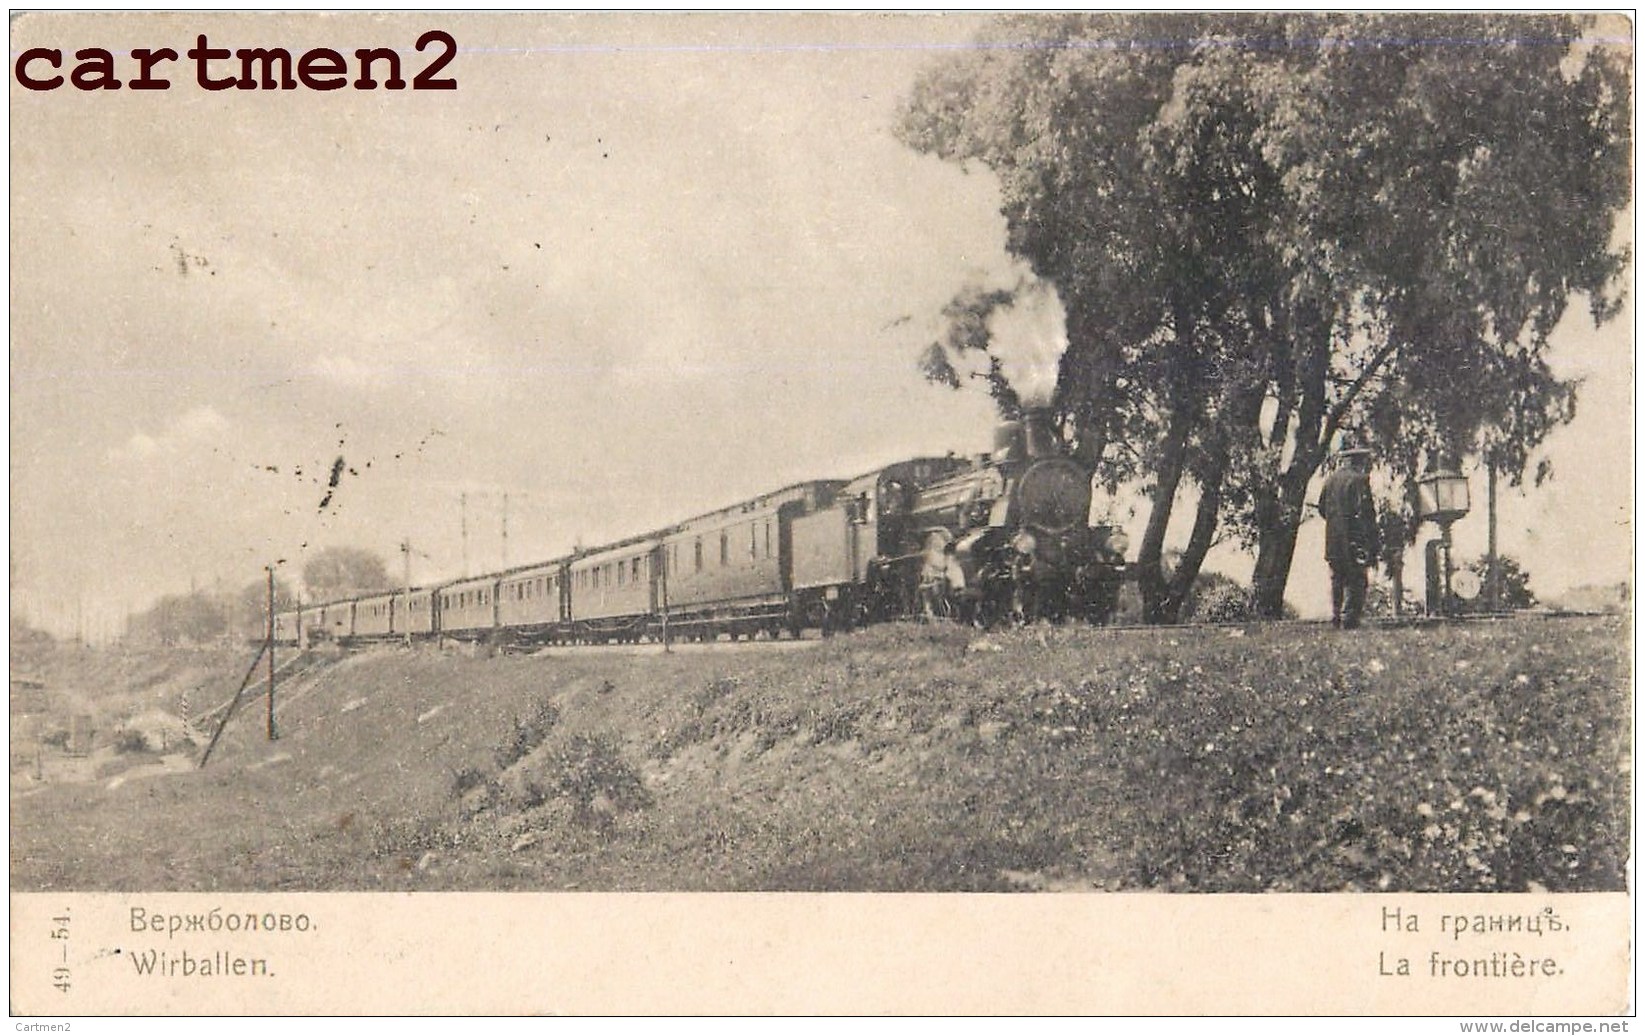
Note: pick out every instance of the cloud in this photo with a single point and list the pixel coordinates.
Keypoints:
(197, 426)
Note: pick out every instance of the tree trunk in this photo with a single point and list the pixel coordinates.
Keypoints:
(1280, 516)
(1193, 556)
(1276, 547)
(1493, 569)
(1243, 407)
(1151, 583)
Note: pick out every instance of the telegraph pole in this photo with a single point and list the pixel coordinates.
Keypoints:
(662, 580)
(462, 502)
(1493, 572)
(272, 736)
(405, 550)
(505, 531)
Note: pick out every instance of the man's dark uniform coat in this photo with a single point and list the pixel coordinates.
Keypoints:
(1351, 538)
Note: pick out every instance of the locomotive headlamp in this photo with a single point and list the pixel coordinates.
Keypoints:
(1024, 543)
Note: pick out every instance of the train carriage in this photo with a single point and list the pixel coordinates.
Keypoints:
(419, 614)
(336, 621)
(532, 602)
(613, 592)
(374, 616)
(319, 622)
(467, 609)
(285, 627)
(728, 570)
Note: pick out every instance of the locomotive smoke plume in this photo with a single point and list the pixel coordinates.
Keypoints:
(1029, 335)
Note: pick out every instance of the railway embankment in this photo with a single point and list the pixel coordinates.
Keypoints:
(906, 757)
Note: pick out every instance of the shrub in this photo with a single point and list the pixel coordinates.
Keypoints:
(595, 778)
(528, 734)
(131, 740)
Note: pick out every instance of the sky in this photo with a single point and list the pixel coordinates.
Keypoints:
(631, 269)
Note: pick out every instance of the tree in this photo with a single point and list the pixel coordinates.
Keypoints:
(1108, 194)
(251, 605)
(1267, 229)
(192, 618)
(337, 573)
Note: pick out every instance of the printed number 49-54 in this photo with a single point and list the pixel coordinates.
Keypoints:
(60, 931)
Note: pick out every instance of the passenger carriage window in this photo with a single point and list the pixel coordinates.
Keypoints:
(768, 537)
(699, 555)
(725, 549)
(753, 541)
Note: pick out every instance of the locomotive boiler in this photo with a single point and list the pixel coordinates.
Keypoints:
(1012, 536)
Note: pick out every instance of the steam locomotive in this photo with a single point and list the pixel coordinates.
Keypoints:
(1005, 536)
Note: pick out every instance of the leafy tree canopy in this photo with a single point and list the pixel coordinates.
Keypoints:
(341, 572)
(1269, 229)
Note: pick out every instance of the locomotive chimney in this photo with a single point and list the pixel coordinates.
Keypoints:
(1039, 439)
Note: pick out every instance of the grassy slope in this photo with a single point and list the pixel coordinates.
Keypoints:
(904, 758)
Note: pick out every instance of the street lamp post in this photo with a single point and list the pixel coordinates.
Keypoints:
(1442, 498)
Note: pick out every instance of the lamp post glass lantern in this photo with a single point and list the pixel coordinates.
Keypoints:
(1442, 498)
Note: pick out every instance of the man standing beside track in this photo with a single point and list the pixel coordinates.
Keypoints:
(1351, 535)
